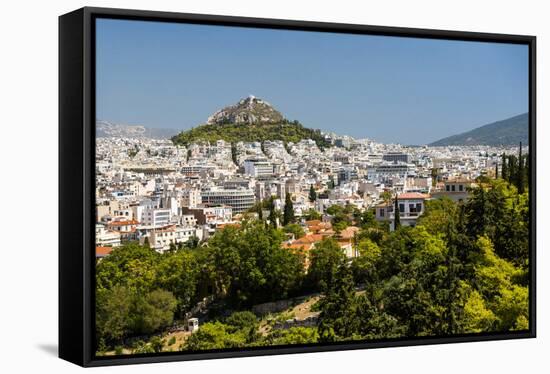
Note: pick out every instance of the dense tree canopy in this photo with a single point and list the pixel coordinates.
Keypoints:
(463, 269)
(285, 131)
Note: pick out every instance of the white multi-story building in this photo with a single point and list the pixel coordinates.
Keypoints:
(106, 238)
(156, 217)
(239, 199)
(191, 198)
(258, 167)
(161, 238)
(411, 205)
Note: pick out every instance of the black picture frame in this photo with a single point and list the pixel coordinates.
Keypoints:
(77, 180)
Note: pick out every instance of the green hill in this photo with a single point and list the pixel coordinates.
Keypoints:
(250, 120)
(506, 132)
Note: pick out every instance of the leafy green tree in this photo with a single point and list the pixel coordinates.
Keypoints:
(437, 214)
(131, 265)
(325, 259)
(499, 282)
(295, 229)
(341, 216)
(214, 335)
(364, 266)
(153, 311)
(157, 344)
(242, 320)
(178, 273)
(338, 318)
(374, 323)
(249, 265)
(312, 214)
(113, 313)
(477, 316)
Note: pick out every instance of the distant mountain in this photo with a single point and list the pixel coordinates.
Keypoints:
(250, 120)
(106, 129)
(506, 132)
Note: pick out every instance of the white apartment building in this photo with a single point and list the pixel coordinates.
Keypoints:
(239, 199)
(106, 238)
(258, 167)
(190, 198)
(161, 238)
(156, 217)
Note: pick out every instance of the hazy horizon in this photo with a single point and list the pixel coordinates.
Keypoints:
(390, 89)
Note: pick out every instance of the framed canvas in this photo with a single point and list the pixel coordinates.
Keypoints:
(234, 186)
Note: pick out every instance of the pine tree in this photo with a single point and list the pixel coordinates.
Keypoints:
(312, 194)
(397, 219)
(288, 216)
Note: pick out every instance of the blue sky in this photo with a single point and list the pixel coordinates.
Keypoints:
(412, 91)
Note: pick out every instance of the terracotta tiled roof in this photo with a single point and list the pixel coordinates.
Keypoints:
(306, 247)
(308, 239)
(123, 223)
(349, 232)
(103, 251)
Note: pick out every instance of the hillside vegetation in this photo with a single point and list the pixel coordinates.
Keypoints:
(285, 131)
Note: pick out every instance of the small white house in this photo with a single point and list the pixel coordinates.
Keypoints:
(192, 324)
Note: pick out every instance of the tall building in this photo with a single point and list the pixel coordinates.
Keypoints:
(239, 199)
(397, 157)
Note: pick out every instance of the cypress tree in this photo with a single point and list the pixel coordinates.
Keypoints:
(288, 216)
(397, 215)
(504, 171)
(312, 194)
(496, 170)
(272, 214)
(512, 169)
(331, 183)
(260, 211)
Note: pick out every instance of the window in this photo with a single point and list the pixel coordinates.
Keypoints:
(447, 188)
(460, 187)
(453, 188)
(402, 208)
(382, 212)
(418, 207)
